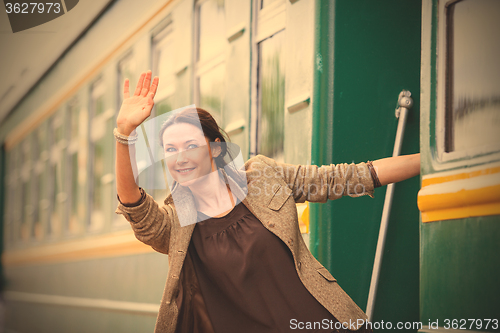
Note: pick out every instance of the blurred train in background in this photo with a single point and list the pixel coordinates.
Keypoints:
(301, 81)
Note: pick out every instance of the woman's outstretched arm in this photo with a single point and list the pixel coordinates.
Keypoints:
(395, 169)
(134, 110)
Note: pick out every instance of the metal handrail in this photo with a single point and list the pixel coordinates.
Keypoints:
(405, 103)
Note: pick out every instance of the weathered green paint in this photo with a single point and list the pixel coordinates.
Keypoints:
(370, 51)
(433, 83)
(429, 87)
(459, 269)
(321, 145)
(459, 262)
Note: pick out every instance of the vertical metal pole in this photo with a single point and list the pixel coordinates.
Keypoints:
(405, 102)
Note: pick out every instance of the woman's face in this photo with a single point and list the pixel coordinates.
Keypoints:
(187, 153)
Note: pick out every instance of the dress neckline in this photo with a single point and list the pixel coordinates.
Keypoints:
(229, 214)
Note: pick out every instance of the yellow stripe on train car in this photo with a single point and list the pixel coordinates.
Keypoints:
(460, 194)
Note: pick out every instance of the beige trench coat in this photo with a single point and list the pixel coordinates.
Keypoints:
(273, 190)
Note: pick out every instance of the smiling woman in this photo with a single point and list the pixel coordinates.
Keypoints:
(237, 261)
(194, 148)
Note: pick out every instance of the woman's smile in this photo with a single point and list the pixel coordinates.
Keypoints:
(185, 171)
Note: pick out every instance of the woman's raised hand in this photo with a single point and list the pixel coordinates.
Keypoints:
(135, 109)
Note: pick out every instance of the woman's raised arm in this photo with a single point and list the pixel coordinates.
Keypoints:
(134, 110)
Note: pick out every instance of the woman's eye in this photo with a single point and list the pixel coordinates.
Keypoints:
(192, 146)
(170, 150)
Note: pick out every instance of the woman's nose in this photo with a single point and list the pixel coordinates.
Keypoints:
(181, 157)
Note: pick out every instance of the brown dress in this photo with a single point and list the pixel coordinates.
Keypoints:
(247, 277)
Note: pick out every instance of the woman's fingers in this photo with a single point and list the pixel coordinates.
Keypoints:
(139, 85)
(126, 92)
(154, 86)
(146, 83)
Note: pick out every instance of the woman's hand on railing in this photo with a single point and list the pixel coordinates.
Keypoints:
(135, 109)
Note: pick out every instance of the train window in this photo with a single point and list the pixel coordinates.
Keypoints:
(210, 66)
(271, 116)
(41, 179)
(211, 29)
(211, 88)
(57, 191)
(75, 163)
(163, 67)
(35, 181)
(12, 182)
(126, 70)
(32, 210)
(101, 156)
(8, 202)
(471, 96)
(26, 168)
(18, 207)
(268, 79)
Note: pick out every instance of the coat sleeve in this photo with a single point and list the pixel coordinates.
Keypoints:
(150, 223)
(318, 184)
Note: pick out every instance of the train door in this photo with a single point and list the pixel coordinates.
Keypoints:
(366, 53)
(460, 145)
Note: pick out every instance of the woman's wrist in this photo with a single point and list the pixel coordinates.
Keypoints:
(125, 130)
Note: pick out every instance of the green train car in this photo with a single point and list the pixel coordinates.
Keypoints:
(301, 81)
(460, 142)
